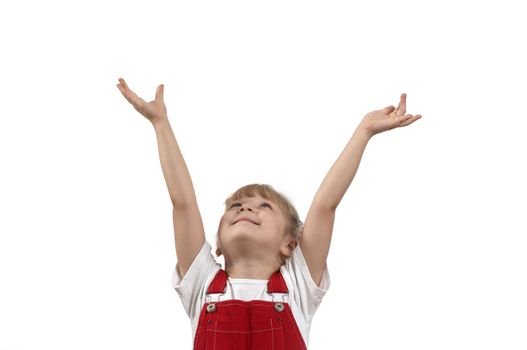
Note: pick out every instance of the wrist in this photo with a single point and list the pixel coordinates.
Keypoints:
(160, 122)
(363, 131)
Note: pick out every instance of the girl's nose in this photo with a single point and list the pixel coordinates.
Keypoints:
(245, 207)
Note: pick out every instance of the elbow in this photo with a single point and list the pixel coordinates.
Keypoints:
(326, 201)
(326, 204)
(182, 202)
(325, 207)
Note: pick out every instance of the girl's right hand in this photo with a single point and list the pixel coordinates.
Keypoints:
(154, 110)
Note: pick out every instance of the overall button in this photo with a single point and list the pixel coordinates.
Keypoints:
(279, 307)
(211, 307)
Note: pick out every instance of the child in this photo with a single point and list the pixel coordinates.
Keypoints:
(275, 267)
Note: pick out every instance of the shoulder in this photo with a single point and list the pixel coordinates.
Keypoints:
(200, 273)
(297, 275)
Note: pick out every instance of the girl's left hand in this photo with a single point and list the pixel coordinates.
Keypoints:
(388, 118)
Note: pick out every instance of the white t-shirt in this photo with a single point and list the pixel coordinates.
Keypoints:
(304, 295)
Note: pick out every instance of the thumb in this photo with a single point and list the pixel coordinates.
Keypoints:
(159, 92)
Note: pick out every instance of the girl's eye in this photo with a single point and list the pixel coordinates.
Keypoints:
(266, 205)
(235, 205)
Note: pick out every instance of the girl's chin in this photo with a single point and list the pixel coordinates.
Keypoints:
(244, 245)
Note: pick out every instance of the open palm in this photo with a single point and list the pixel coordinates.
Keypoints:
(389, 118)
(154, 110)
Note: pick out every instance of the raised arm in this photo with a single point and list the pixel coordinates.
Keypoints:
(318, 227)
(189, 233)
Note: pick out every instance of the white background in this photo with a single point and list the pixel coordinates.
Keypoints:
(429, 244)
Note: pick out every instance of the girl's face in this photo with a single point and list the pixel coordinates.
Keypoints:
(255, 225)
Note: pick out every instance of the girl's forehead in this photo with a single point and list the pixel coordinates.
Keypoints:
(255, 196)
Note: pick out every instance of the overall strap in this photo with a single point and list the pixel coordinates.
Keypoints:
(219, 282)
(276, 283)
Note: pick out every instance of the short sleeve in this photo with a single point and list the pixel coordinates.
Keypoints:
(191, 287)
(305, 293)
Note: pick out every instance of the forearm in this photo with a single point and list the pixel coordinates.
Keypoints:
(339, 177)
(175, 171)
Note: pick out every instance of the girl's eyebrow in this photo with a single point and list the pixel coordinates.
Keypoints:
(247, 199)
(271, 203)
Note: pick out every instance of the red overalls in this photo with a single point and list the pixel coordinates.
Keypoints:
(247, 325)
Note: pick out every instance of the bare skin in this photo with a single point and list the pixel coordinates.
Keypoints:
(318, 225)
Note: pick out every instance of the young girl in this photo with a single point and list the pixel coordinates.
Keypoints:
(275, 272)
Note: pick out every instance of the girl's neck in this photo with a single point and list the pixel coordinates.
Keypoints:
(250, 270)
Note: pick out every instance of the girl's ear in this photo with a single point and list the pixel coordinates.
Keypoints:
(218, 252)
(292, 244)
(289, 248)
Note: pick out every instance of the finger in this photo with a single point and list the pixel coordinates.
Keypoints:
(404, 119)
(401, 108)
(159, 92)
(127, 92)
(132, 97)
(388, 109)
(410, 119)
(121, 80)
(122, 86)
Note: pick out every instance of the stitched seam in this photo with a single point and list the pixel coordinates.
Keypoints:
(241, 332)
(295, 329)
(272, 333)
(215, 326)
(247, 305)
(201, 324)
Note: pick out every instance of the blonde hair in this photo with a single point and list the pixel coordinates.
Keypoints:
(294, 225)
